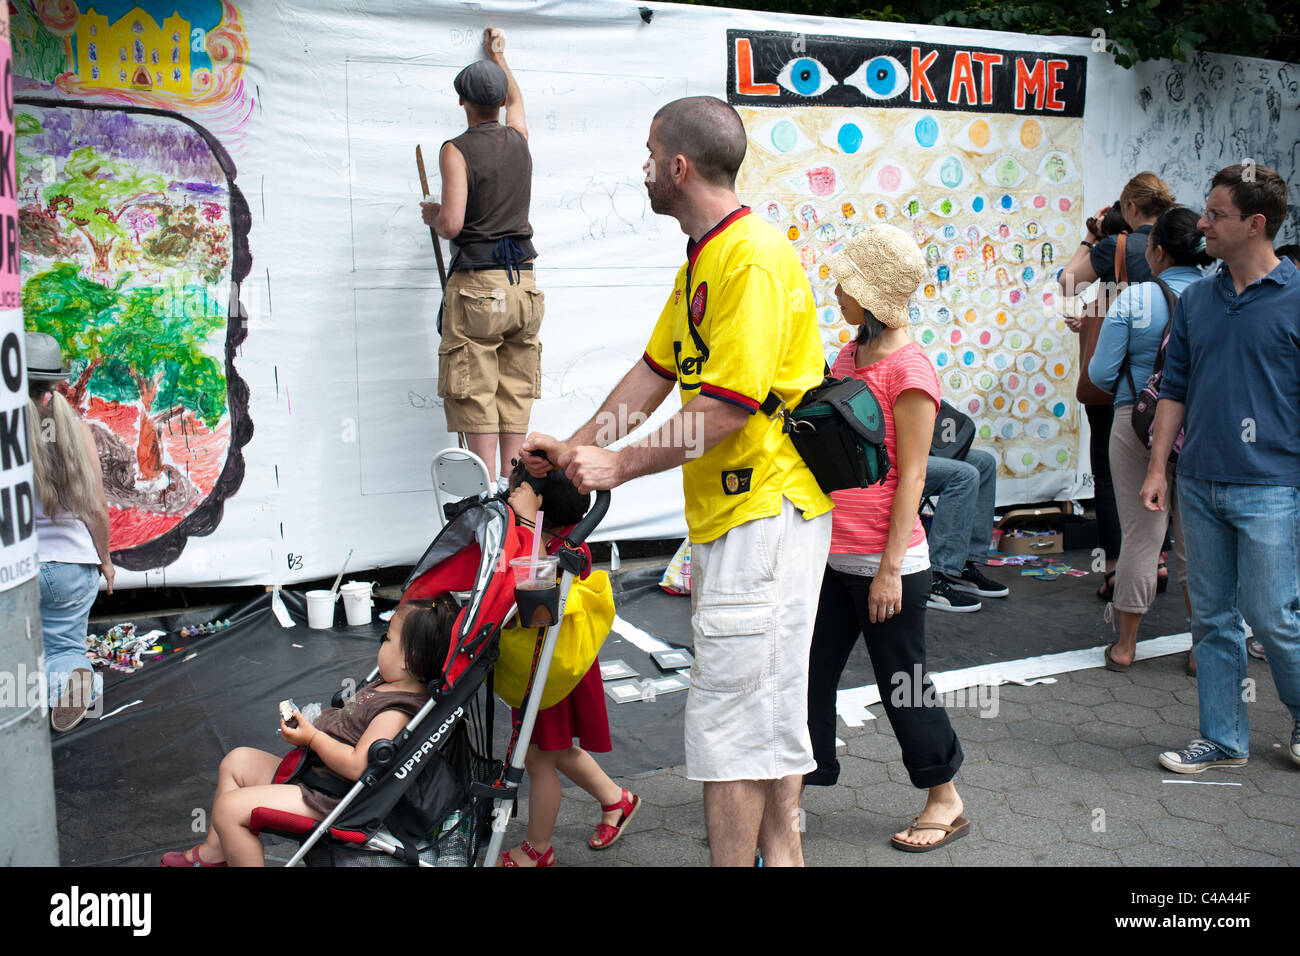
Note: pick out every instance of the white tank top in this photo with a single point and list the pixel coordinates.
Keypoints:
(66, 540)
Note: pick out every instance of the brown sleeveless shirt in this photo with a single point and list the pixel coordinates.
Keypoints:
(500, 190)
(349, 723)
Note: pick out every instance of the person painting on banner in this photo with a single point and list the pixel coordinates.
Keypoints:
(740, 323)
(72, 533)
(489, 362)
(878, 580)
(1232, 377)
(1142, 200)
(1124, 360)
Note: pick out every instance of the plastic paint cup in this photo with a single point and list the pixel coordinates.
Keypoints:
(357, 602)
(320, 609)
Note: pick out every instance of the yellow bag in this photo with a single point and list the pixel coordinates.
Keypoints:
(588, 616)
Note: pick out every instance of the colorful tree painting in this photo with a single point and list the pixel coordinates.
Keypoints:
(133, 234)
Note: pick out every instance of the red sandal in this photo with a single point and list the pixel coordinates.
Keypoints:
(607, 835)
(179, 858)
(541, 859)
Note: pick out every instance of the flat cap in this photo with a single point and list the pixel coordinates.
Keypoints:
(482, 83)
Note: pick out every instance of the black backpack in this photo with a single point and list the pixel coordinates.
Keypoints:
(953, 433)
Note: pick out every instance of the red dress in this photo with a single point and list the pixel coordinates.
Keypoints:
(582, 714)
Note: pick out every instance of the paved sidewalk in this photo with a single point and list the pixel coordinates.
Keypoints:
(1064, 775)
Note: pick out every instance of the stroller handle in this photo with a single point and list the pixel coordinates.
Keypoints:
(590, 520)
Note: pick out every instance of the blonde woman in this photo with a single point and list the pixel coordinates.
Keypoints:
(71, 532)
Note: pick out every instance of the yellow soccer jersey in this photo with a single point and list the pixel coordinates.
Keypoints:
(741, 323)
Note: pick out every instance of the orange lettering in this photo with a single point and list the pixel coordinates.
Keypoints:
(921, 82)
(1030, 81)
(987, 62)
(1055, 84)
(745, 73)
(963, 80)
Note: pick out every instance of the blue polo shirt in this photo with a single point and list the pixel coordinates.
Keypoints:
(1234, 361)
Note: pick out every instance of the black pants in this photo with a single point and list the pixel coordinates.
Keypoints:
(1100, 420)
(931, 752)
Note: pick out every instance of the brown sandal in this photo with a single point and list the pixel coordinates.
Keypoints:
(955, 831)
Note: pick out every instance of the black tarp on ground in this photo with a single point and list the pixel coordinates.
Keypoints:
(132, 786)
(1039, 617)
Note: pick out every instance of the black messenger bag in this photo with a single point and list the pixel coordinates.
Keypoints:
(839, 431)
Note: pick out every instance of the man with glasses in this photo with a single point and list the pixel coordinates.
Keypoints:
(1232, 374)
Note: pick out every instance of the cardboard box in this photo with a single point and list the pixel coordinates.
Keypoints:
(1031, 531)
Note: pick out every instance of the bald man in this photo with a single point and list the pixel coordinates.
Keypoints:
(738, 329)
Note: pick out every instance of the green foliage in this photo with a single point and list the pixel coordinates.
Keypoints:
(77, 311)
(139, 343)
(1135, 30)
(94, 192)
(38, 54)
(158, 345)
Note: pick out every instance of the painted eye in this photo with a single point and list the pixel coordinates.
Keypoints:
(852, 137)
(782, 136)
(1057, 169)
(888, 178)
(880, 78)
(947, 173)
(1006, 172)
(977, 137)
(805, 76)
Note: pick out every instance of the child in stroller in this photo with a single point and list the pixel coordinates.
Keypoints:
(579, 715)
(412, 651)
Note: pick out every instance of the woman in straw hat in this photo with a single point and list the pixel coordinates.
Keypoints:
(878, 579)
(71, 531)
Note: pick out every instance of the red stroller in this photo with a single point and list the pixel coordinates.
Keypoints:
(429, 796)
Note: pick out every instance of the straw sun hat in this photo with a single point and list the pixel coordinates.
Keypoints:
(880, 268)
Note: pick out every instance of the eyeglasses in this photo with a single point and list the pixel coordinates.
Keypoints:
(1211, 216)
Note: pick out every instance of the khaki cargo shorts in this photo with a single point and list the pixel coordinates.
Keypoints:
(490, 359)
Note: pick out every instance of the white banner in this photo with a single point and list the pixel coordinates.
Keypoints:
(220, 223)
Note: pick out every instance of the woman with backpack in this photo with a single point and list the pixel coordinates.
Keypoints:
(1114, 255)
(1129, 349)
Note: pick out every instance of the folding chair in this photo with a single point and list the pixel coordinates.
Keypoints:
(458, 474)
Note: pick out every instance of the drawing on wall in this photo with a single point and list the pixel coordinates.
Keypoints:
(1195, 118)
(991, 195)
(134, 240)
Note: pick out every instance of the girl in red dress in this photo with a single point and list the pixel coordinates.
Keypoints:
(581, 715)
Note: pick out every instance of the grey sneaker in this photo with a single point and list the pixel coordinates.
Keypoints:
(1200, 756)
(1255, 649)
(1295, 743)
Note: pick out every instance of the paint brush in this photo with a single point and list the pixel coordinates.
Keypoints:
(334, 591)
(437, 247)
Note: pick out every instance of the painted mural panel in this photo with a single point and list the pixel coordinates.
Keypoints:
(134, 239)
(976, 154)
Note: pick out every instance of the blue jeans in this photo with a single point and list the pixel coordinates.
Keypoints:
(67, 593)
(962, 526)
(1243, 544)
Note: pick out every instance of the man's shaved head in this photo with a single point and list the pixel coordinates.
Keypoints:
(706, 131)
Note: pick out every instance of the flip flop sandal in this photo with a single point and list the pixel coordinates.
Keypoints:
(1112, 664)
(954, 831)
(607, 835)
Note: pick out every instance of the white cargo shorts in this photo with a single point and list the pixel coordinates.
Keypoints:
(754, 597)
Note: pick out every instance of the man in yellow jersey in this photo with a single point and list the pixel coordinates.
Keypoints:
(738, 325)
